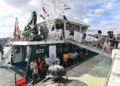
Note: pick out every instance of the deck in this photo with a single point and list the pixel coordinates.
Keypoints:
(114, 77)
(93, 72)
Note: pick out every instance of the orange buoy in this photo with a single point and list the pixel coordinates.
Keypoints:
(21, 81)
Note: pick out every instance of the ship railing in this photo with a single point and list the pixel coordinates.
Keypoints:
(98, 44)
(54, 36)
(51, 37)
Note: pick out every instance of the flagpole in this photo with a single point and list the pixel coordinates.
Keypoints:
(16, 29)
(4, 35)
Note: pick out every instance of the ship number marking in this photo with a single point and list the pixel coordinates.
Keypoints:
(40, 51)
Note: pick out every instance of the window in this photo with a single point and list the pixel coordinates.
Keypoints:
(17, 49)
(83, 29)
(76, 27)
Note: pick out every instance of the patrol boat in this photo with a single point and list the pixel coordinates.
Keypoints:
(51, 39)
(48, 39)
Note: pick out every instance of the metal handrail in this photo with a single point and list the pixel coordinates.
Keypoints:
(111, 67)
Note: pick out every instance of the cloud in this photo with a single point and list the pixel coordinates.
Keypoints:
(4, 32)
(100, 17)
(110, 5)
(24, 6)
(101, 9)
(101, 12)
(88, 20)
(23, 12)
(116, 17)
(9, 9)
(79, 8)
(90, 1)
(17, 3)
(110, 26)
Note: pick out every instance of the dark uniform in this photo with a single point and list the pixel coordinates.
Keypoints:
(44, 31)
(1, 51)
(112, 40)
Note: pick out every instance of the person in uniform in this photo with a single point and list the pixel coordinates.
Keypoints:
(34, 68)
(71, 33)
(84, 38)
(1, 51)
(112, 40)
(44, 31)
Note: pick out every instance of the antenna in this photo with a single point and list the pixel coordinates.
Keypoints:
(58, 7)
(66, 7)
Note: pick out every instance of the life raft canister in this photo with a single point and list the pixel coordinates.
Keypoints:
(21, 81)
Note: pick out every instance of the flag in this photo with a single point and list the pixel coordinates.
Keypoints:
(66, 7)
(43, 8)
(16, 29)
(65, 18)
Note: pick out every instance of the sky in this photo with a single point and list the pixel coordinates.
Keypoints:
(100, 14)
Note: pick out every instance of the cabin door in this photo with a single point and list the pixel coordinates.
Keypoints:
(17, 54)
(52, 51)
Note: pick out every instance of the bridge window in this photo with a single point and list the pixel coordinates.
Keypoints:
(59, 24)
(76, 27)
(17, 49)
(83, 29)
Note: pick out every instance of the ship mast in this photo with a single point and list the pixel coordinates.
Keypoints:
(58, 7)
(53, 10)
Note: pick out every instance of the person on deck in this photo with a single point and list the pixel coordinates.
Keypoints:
(112, 40)
(1, 51)
(65, 59)
(71, 33)
(42, 67)
(74, 57)
(84, 38)
(99, 41)
(34, 68)
(82, 53)
(44, 31)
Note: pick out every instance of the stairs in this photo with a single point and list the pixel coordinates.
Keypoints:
(99, 51)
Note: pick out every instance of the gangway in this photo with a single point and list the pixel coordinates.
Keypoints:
(99, 51)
